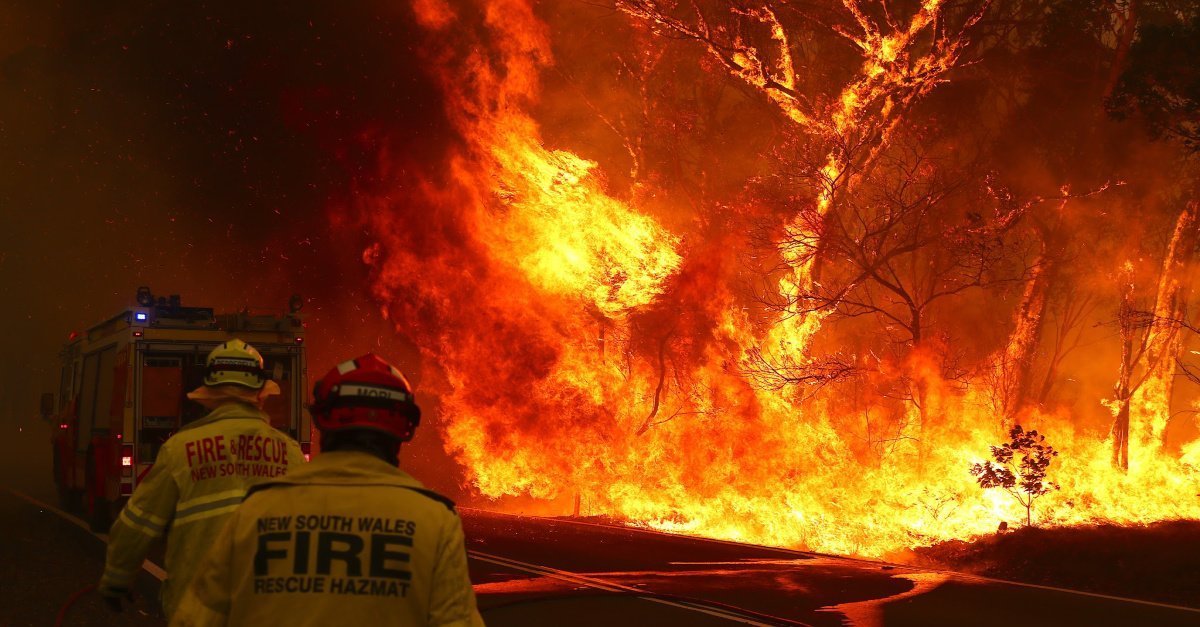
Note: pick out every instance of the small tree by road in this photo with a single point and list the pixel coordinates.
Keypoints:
(1019, 468)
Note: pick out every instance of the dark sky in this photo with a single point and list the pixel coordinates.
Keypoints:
(202, 149)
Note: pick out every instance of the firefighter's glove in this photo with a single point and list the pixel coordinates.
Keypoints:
(113, 597)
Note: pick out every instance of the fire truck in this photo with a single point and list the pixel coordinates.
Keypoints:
(123, 390)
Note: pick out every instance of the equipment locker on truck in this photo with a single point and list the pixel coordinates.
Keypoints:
(123, 385)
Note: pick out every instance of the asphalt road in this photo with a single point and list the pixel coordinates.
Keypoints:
(546, 572)
(536, 571)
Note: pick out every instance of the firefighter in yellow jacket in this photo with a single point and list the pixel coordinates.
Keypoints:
(200, 476)
(349, 539)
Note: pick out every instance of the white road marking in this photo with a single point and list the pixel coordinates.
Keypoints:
(148, 566)
(858, 560)
(609, 586)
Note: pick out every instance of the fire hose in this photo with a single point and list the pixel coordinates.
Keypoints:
(62, 612)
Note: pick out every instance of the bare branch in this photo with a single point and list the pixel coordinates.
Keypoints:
(775, 373)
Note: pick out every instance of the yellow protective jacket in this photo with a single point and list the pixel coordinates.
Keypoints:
(346, 540)
(200, 477)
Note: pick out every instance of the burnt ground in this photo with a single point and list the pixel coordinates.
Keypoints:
(1157, 562)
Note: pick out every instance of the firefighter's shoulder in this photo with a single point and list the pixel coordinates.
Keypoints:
(293, 481)
(406, 481)
(440, 498)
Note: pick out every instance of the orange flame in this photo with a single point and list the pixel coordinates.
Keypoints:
(531, 287)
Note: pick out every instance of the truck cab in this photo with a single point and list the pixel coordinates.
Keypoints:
(123, 391)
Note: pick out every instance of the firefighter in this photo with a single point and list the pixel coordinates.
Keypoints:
(201, 475)
(349, 539)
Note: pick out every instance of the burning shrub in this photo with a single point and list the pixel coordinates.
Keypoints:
(1025, 479)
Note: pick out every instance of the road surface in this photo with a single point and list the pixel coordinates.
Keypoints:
(544, 572)
(536, 571)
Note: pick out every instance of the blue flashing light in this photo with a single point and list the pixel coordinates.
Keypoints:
(140, 316)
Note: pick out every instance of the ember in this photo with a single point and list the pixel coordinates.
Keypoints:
(784, 275)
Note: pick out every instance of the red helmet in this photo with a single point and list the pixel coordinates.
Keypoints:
(366, 393)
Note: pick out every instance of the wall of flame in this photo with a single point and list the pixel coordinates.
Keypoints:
(586, 341)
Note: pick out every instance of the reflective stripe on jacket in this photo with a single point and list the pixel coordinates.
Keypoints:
(200, 477)
(346, 540)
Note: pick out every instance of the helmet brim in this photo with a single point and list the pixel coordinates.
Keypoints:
(234, 391)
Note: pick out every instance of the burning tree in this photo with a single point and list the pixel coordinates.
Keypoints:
(1019, 468)
(767, 46)
(1068, 333)
(909, 238)
(588, 248)
(1163, 90)
(1011, 368)
(1150, 344)
(912, 238)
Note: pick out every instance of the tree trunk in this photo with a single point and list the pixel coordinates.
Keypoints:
(1013, 364)
(922, 394)
(1121, 54)
(1048, 382)
(658, 391)
(1075, 308)
(1120, 434)
(920, 389)
(1151, 401)
(1145, 404)
(1121, 391)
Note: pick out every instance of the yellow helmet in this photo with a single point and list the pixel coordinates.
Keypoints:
(235, 362)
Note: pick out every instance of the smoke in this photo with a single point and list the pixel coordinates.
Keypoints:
(203, 150)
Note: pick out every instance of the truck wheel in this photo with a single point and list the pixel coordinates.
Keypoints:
(69, 500)
(99, 510)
